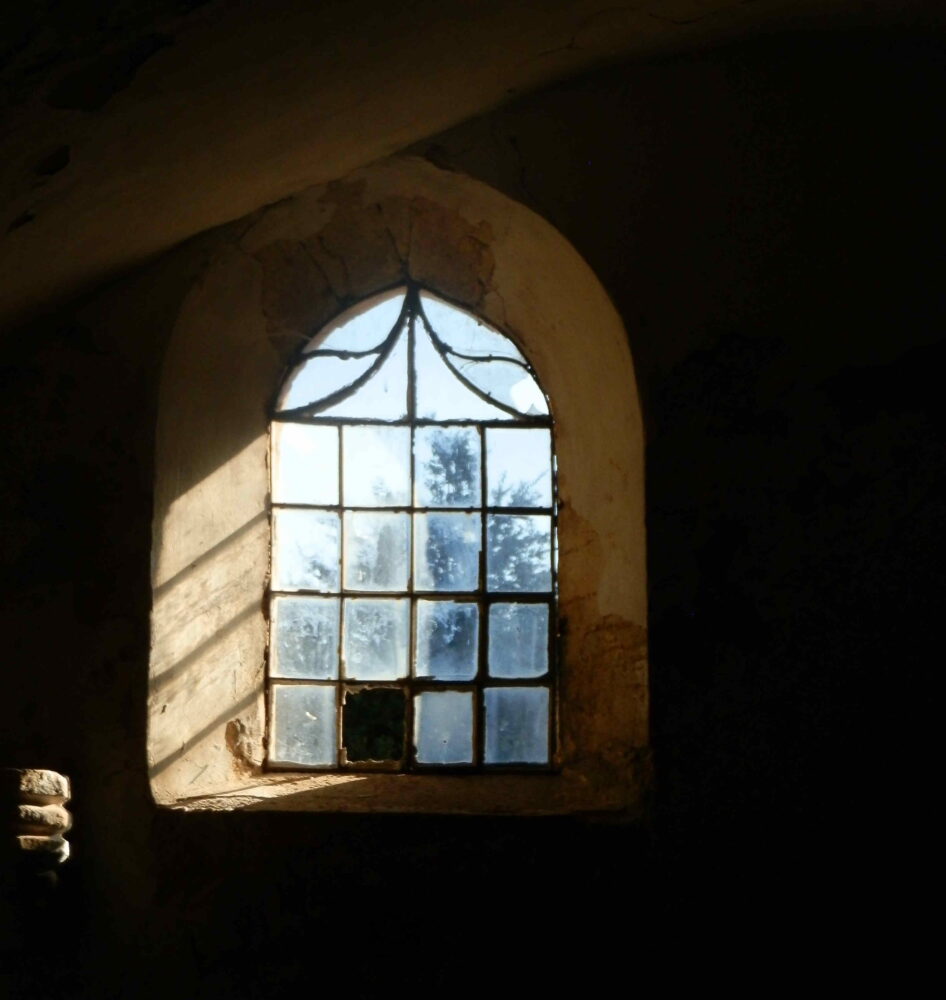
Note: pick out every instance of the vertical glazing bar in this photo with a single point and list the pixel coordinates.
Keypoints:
(409, 761)
(483, 660)
(339, 695)
(554, 657)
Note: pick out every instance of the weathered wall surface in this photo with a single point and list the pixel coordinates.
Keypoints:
(294, 267)
(765, 218)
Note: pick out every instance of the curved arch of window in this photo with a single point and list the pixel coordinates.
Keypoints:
(413, 588)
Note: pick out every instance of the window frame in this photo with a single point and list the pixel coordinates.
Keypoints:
(481, 596)
(266, 283)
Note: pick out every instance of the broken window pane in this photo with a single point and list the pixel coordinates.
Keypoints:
(466, 334)
(519, 552)
(518, 640)
(446, 551)
(447, 470)
(305, 550)
(304, 725)
(375, 638)
(377, 466)
(443, 727)
(517, 725)
(519, 466)
(305, 464)
(373, 724)
(446, 640)
(440, 395)
(377, 548)
(304, 637)
(506, 382)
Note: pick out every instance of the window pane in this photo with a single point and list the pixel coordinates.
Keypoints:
(376, 550)
(519, 467)
(304, 724)
(305, 550)
(510, 384)
(446, 640)
(366, 330)
(377, 466)
(440, 394)
(376, 636)
(305, 464)
(318, 377)
(446, 551)
(518, 640)
(304, 637)
(447, 470)
(443, 727)
(517, 725)
(383, 396)
(519, 552)
(465, 333)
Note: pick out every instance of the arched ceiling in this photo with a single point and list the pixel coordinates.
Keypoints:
(131, 126)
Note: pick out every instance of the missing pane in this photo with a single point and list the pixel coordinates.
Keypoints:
(373, 725)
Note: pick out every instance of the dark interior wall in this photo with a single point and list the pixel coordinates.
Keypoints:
(765, 218)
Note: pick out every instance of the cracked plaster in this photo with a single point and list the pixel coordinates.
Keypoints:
(263, 295)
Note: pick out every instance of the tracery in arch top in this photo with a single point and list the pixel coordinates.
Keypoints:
(413, 588)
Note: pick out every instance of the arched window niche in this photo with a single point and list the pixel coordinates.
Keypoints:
(412, 595)
(248, 381)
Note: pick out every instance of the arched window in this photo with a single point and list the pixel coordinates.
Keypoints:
(412, 612)
(401, 601)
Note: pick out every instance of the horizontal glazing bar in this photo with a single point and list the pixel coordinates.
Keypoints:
(518, 421)
(336, 508)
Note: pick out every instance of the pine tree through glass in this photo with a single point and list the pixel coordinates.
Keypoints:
(412, 615)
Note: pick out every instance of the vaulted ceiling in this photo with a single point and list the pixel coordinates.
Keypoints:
(130, 126)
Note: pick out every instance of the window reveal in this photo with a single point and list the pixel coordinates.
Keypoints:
(412, 607)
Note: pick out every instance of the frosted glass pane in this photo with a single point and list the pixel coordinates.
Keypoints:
(377, 550)
(376, 637)
(518, 640)
(517, 725)
(304, 725)
(318, 377)
(446, 551)
(305, 550)
(446, 640)
(440, 394)
(509, 383)
(384, 395)
(304, 637)
(365, 327)
(464, 332)
(519, 552)
(519, 467)
(447, 467)
(305, 464)
(377, 466)
(443, 727)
